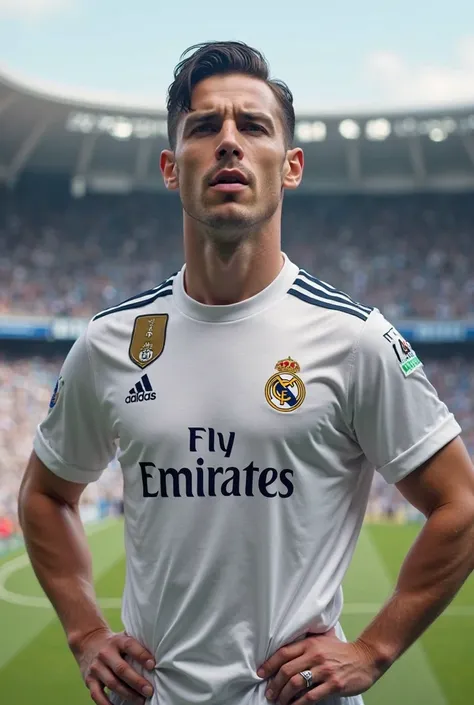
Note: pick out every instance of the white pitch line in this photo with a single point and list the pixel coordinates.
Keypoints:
(20, 562)
(12, 566)
(14, 598)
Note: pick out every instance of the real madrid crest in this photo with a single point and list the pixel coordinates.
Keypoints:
(285, 391)
(148, 339)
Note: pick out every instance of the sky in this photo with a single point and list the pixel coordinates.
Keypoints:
(334, 55)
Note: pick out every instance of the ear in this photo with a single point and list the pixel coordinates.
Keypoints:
(293, 168)
(169, 169)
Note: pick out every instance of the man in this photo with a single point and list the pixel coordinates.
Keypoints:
(250, 403)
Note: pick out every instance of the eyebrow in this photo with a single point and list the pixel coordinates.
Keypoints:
(256, 116)
(199, 118)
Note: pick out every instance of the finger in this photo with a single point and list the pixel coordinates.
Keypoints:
(97, 692)
(126, 673)
(289, 678)
(296, 685)
(105, 676)
(283, 655)
(315, 695)
(133, 648)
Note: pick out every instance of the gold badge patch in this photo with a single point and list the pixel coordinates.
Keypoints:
(148, 339)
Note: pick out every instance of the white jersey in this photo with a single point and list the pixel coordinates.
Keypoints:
(248, 436)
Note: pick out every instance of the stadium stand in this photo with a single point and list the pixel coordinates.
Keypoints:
(411, 257)
(385, 213)
(26, 383)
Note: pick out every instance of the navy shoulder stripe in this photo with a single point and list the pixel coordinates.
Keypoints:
(317, 293)
(331, 290)
(333, 307)
(148, 292)
(139, 300)
(139, 304)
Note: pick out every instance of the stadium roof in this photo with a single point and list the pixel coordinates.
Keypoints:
(106, 146)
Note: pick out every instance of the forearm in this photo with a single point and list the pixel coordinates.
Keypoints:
(437, 565)
(58, 550)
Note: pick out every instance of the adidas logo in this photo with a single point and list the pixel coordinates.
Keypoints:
(142, 391)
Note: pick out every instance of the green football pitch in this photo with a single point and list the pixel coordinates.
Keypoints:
(36, 667)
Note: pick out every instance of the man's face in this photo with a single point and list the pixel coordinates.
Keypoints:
(230, 159)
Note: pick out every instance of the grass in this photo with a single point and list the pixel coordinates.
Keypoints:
(37, 668)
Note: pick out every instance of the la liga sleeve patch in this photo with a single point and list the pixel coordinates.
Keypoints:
(407, 358)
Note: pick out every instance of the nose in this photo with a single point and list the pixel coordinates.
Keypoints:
(228, 145)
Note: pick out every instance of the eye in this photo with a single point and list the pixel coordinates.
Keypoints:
(203, 128)
(254, 127)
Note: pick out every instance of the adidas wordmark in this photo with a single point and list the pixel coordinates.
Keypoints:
(142, 391)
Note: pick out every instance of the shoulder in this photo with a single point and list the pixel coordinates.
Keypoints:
(325, 297)
(113, 326)
(381, 344)
(145, 298)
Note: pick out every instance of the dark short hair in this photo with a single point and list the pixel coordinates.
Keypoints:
(212, 58)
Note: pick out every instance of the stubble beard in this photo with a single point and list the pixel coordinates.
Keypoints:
(229, 230)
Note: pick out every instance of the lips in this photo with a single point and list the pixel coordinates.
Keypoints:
(229, 176)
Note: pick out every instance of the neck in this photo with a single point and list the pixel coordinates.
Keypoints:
(226, 273)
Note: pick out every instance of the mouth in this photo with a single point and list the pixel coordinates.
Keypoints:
(229, 180)
(229, 187)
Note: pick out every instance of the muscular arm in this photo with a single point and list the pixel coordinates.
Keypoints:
(439, 561)
(57, 547)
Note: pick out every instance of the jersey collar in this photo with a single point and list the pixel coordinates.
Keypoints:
(243, 309)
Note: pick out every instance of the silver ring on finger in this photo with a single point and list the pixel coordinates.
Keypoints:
(308, 677)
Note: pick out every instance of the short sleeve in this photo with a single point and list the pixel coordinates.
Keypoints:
(74, 440)
(397, 417)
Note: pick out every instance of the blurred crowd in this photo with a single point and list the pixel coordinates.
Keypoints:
(27, 384)
(410, 256)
